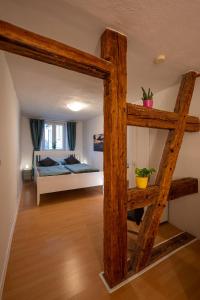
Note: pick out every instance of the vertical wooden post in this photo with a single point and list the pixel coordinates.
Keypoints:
(113, 49)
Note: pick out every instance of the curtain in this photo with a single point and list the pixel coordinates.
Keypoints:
(71, 134)
(37, 129)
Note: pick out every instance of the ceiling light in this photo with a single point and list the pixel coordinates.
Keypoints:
(76, 106)
(160, 59)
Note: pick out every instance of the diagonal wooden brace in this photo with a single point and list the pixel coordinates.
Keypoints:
(150, 224)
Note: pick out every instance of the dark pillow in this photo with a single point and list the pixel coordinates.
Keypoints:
(47, 162)
(71, 160)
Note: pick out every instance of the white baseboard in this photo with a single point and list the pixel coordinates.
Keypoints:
(126, 281)
(6, 260)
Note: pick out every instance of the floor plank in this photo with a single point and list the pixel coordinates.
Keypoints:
(57, 254)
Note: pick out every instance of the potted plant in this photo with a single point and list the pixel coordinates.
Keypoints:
(142, 177)
(147, 98)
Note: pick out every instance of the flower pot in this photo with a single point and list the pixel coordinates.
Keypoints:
(141, 182)
(148, 103)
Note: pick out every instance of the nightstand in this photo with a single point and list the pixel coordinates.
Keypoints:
(27, 175)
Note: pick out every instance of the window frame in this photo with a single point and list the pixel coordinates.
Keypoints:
(54, 123)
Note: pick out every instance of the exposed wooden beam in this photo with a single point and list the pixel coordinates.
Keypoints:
(183, 187)
(164, 248)
(150, 224)
(138, 198)
(179, 188)
(154, 118)
(168, 246)
(23, 42)
(114, 48)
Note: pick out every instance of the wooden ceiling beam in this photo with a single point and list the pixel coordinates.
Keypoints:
(138, 115)
(26, 43)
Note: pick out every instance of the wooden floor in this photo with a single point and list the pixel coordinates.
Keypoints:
(57, 254)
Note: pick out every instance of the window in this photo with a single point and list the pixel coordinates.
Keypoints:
(54, 136)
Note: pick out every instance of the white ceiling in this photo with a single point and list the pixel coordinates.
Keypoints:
(44, 90)
(152, 27)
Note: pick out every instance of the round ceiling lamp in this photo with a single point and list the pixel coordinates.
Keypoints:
(76, 106)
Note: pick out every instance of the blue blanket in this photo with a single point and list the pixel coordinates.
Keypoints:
(81, 168)
(53, 171)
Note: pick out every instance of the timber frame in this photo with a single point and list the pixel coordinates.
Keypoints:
(112, 68)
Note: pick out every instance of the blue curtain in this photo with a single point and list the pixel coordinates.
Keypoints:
(37, 129)
(71, 134)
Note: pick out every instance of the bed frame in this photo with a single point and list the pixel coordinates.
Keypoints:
(51, 184)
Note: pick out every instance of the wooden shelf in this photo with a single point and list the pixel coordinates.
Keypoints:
(141, 116)
(139, 198)
(181, 187)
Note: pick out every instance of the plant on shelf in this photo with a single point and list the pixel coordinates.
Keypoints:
(142, 177)
(147, 98)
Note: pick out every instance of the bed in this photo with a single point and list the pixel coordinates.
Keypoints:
(63, 177)
(81, 168)
(52, 171)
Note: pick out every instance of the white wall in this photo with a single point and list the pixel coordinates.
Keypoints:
(138, 149)
(91, 127)
(183, 212)
(10, 184)
(26, 142)
(137, 146)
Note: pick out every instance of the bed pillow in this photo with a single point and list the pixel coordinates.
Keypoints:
(47, 162)
(71, 160)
